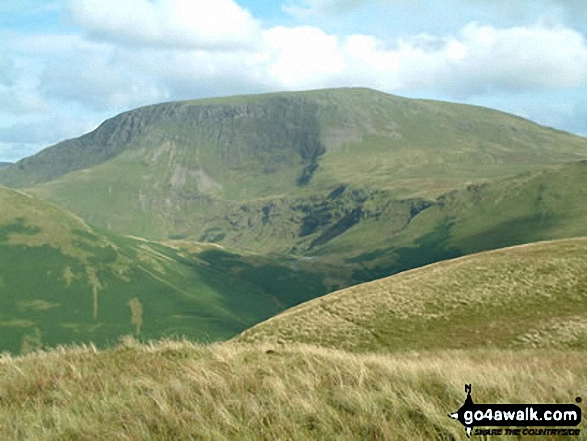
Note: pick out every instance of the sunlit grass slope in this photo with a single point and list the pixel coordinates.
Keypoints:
(177, 390)
(169, 169)
(62, 281)
(521, 297)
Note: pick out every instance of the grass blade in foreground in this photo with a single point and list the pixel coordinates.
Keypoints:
(175, 390)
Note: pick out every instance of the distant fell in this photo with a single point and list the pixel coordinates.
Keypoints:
(158, 171)
(323, 134)
(544, 204)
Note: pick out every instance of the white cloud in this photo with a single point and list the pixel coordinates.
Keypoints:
(306, 8)
(477, 60)
(43, 130)
(69, 68)
(193, 74)
(518, 59)
(153, 50)
(14, 101)
(201, 24)
(185, 41)
(569, 9)
(303, 56)
(18, 94)
(100, 84)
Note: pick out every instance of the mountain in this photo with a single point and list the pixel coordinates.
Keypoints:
(227, 291)
(544, 204)
(303, 194)
(280, 181)
(5, 164)
(62, 281)
(369, 235)
(521, 297)
(187, 169)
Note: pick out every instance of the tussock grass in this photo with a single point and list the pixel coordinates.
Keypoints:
(525, 296)
(180, 390)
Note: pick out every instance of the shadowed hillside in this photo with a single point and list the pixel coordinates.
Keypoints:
(544, 204)
(62, 281)
(305, 192)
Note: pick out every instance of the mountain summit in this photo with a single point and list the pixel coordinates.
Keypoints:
(198, 169)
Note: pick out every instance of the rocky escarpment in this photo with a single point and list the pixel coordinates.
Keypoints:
(312, 221)
(261, 134)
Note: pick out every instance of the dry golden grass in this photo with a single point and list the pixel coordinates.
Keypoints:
(526, 296)
(178, 390)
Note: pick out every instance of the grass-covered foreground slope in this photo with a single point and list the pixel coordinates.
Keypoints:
(521, 297)
(168, 169)
(174, 390)
(62, 281)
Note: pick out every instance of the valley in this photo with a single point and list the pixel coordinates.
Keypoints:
(64, 282)
(522, 297)
(210, 216)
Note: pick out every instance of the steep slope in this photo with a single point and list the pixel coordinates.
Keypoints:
(181, 169)
(526, 296)
(61, 281)
(369, 235)
(544, 204)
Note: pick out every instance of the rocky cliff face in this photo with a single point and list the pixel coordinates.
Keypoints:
(268, 132)
(302, 224)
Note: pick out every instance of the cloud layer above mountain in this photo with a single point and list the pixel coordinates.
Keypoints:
(89, 59)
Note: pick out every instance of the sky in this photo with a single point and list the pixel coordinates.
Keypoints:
(67, 65)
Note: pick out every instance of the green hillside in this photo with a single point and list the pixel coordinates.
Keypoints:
(186, 169)
(369, 235)
(305, 192)
(63, 282)
(544, 204)
(522, 297)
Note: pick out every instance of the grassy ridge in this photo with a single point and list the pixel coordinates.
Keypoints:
(527, 296)
(389, 237)
(177, 390)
